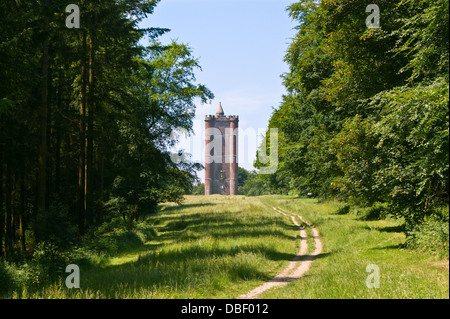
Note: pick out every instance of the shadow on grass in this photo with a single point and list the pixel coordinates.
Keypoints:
(223, 226)
(393, 229)
(164, 212)
(386, 229)
(181, 270)
(183, 255)
(165, 209)
(322, 255)
(300, 259)
(186, 267)
(398, 246)
(193, 265)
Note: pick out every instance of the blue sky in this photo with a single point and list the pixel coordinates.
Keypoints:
(240, 45)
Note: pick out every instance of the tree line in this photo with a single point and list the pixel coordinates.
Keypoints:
(365, 116)
(86, 116)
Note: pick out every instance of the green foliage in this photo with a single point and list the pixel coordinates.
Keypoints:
(432, 235)
(5, 276)
(48, 262)
(413, 148)
(87, 121)
(375, 212)
(251, 183)
(197, 189)
(356, 156)
(55, 227)
(424, 36)
(365, 117)
(46, 266)
(145, 230)
(343, 210)
(115, 223)
(104, 245)
(115, 236)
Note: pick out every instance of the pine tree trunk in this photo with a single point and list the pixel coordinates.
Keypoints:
(42, 175)
(8, 217)
(22, 211)
(89, 173)
(58, 133)
(82, 136)
(100, 210)
(2, 217)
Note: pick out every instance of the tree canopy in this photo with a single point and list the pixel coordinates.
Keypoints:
(365, 116)
(86, 116)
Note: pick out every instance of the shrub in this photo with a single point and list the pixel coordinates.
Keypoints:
(375, 212)
(430, 236)
(126, 240)
(343, 210)
(112, 237)
(27, 275)
(13, 276)
(115, 224)
(54, 226)
(6, 276)
(104, 244)
(48, 262)
(145, 230)
(85, 258)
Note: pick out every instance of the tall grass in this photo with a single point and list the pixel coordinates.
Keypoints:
(222, 247)
(214, 247)
(351, 243)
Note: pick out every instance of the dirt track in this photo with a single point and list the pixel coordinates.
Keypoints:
(298, 266)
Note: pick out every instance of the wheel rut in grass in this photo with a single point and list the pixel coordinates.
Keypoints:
(298, 266)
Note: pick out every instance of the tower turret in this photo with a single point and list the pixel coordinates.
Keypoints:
(219, 112)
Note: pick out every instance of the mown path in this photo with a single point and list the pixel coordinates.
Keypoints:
(298, 266)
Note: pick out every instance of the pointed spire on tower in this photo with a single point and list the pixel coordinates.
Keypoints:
(219, 111)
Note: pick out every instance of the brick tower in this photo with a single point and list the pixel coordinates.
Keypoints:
(221, 168)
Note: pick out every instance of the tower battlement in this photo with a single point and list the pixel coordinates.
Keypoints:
(221, 118)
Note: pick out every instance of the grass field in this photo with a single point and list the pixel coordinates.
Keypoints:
(221, 247)
(350, 245)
